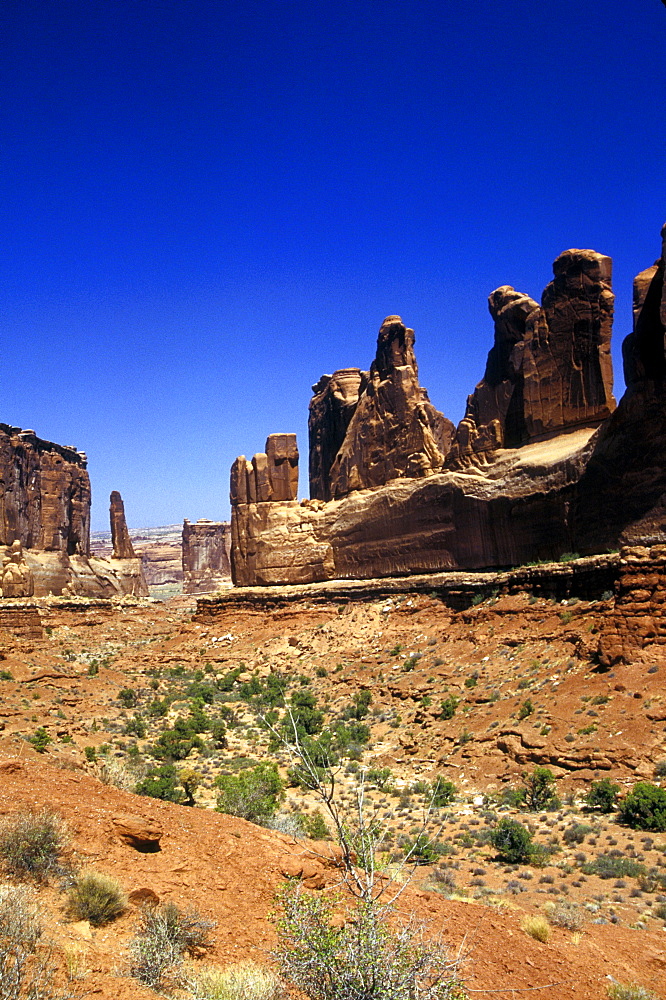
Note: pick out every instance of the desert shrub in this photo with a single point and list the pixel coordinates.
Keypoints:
(254, 794)
(526, 709)
(449, 706)
(26, 966)
(315, 827)
(176, 743)
(423, 850)
(365, 959)
(128, 697)
(164, 935)
(624, 991)
(602, 795)
(606, 866)
(32, 843)
(537, 928)
(540, 789)
(576, 833)
(40, 739)
(96, 898)
(644, 808)
(244, 981)
(359, 708)
(135, 727)
(565, 913)
(161, 783)
(379, 776)
(443, 793)
(512, 841)
(218, 732)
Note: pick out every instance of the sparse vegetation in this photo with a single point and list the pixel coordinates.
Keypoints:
(165, 933)
(96, 898)
(254, 794)
(602, 795)
(537, 927)
(512, 841)
(644, 808)
(26, 959)
(32, 844)
(244, 981)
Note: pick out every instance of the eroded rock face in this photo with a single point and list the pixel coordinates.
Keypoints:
(44, 494)
(120, 539)
(545, 465)
(393, 430)
(331, 408)
(206, 565)
(550, 368)
(17, 578)
(637, 618)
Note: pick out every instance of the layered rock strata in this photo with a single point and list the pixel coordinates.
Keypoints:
(550, 367)
(367, 429)
(558, 468)
(45, 523)
(206, 551)
(44, 494)
(638, 618)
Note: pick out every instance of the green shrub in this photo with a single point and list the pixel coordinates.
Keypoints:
(607, 866)
(364, 959)
(306, 716)
(526, 709)
(96, 898)
(32, 844)
(6, 675)
(540, 789)
(253, 794)
(161, 783)
(624, 991)
(379, 776)
(135, 727)
(40, 740)
(644, 808)
(164, 935)
(443, 793)
(128, 697)
(602, 795)
(449, 706)
(512, 841)
(176, 743)
(315, 827)
(576, 833)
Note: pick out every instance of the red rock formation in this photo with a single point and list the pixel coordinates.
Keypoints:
(331, 408)
(120, 539)
(638, 617)
(554, 469)
(394, 430)
(44, 494)
(206, 547)
(550, 368)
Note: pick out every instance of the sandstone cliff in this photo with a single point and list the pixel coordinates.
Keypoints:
(206, 550)
(45, 523)
(542, 464)
(367, 429)
(550, 368)
(120, 539)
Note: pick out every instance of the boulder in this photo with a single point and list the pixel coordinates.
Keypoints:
(142, 834)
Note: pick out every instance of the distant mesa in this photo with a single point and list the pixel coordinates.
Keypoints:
(543, 463)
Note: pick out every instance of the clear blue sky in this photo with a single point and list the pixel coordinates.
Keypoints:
(207, 205)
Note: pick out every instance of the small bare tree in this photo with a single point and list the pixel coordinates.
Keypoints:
(355, 945)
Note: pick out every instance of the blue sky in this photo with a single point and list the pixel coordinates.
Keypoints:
(207, 205)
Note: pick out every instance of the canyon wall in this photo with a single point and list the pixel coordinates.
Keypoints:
(206, 556)
(45, 523)
(542, 464)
